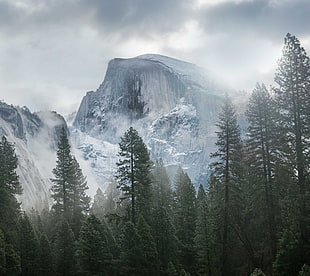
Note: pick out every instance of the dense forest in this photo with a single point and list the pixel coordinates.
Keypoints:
(251, 218)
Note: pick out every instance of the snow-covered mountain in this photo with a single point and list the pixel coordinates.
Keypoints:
(35, 136)
(173, 104)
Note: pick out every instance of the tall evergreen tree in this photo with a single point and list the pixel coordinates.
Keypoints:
(131, 255)
(9, 187)
(162, 192)
(204, 235)
(46, 267)
(68, 190)
(12, 260)
(81, 201)
(62, 189)
(64, 249)
(226, 170)
(133, 173)
(28, 247)
(98, 208)
(185, 219)
(164, 237)
(150, 262)
(262, 151)
(2, 254)
(293, 98)
(93, 250)
(9, 207)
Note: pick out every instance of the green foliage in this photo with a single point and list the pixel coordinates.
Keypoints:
(305, 270)
(204, 234)
(162, 193)
(12, 260)
(228, 177)
(107, 204)
(164, 237)
(261, 191)
(257, 272)
(80, 200)
(133, 173)
(69, 187)
(45, 257)
(64, 249)
(62, 185)
(28, 247)
(150, 261)
(9, 208)
(185, 219)
(293, 100)
(171, 270)
(93, 250)
(2, 254)
(9, 188)
(288, 259)
(98, 208)
(131, 251)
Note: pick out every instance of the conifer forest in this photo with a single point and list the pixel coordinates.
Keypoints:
(252, 217)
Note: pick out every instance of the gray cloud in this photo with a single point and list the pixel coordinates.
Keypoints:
(52, 51)
(265, 18)
(126, 17)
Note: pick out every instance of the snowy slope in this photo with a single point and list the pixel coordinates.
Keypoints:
(35, 137)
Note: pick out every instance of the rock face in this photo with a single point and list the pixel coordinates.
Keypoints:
(173, 105)
(35, 137)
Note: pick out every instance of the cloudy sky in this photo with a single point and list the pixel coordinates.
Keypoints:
(53, 51)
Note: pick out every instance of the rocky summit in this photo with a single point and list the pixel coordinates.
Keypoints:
(173, 104)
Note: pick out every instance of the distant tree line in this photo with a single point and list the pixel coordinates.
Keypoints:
(251, 218)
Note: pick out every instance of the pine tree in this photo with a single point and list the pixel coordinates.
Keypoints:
(69, 188)
(9, 207)
(305, 270)
(171, 271)
(12, 260)
(204, 234)
(149, 265)
(131, 255)
(257, 272)
(28, 247)
(164, 237)
(133, 173)
(162, 192)
(93, 250)
(227, 169)
(98, 208)
(62, 185)
(64, 249)
(81, 201)
(107, 204)
(293, 98)
(2, 254)
(9, 187)
(262, 157)
(185, 219)
(45, 257)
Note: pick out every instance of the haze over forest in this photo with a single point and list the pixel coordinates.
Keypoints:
(165, 168)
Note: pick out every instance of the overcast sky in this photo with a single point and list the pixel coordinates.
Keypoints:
(53, 51)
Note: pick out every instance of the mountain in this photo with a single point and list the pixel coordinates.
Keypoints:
(35, 137)
(173, 104)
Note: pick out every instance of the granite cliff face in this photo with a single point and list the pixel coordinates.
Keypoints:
(35, 137)
(173, 105)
